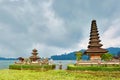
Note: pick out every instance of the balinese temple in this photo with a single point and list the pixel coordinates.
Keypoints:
(94, 48)
(34, 56)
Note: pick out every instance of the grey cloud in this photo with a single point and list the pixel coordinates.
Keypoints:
(26, 24)
(51, 25)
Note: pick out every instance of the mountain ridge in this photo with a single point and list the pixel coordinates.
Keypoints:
(71, 56)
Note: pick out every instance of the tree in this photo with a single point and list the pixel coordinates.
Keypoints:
(107, 57)
(78, 55)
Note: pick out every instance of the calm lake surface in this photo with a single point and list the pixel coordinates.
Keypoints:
(4, 64)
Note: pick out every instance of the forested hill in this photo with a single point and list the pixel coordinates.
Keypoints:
(71, 55)
(2, 58)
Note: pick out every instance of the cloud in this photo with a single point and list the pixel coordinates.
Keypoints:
(111, 35)
(54, 26)
(46, 50)
(28, 23)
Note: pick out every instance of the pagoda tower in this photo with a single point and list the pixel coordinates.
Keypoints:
(34, 56)
(94, 48)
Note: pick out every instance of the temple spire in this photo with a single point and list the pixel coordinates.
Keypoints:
(94, 36)
(94, 48)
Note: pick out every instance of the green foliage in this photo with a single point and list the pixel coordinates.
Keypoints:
(78, 55)
(31, 67)
(107, 57)
(58, 75)
(93, 68)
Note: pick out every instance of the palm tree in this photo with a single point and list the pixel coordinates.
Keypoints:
(78, 55)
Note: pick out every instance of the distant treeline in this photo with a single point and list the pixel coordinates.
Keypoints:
(71, 55)
(2, 58)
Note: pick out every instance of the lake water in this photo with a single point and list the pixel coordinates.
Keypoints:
(4, 64)
(64, 63)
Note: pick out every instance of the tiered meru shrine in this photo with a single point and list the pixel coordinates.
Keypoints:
(94, 48)
(34, 56)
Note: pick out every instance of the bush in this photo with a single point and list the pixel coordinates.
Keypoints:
(93, 68)
(31, 67)
(107, 57)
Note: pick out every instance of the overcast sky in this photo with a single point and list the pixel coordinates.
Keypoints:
(55, 26)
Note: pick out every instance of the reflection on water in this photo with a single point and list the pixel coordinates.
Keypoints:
(4, 64)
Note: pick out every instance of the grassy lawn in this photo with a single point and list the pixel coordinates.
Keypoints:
(58, 75)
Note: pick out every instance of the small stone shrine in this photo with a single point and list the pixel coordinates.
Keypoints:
(34, 56)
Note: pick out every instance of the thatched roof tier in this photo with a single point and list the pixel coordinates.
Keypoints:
(96, 50)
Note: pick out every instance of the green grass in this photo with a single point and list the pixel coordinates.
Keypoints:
(58, 75)
(31, 67)
(93, 68)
